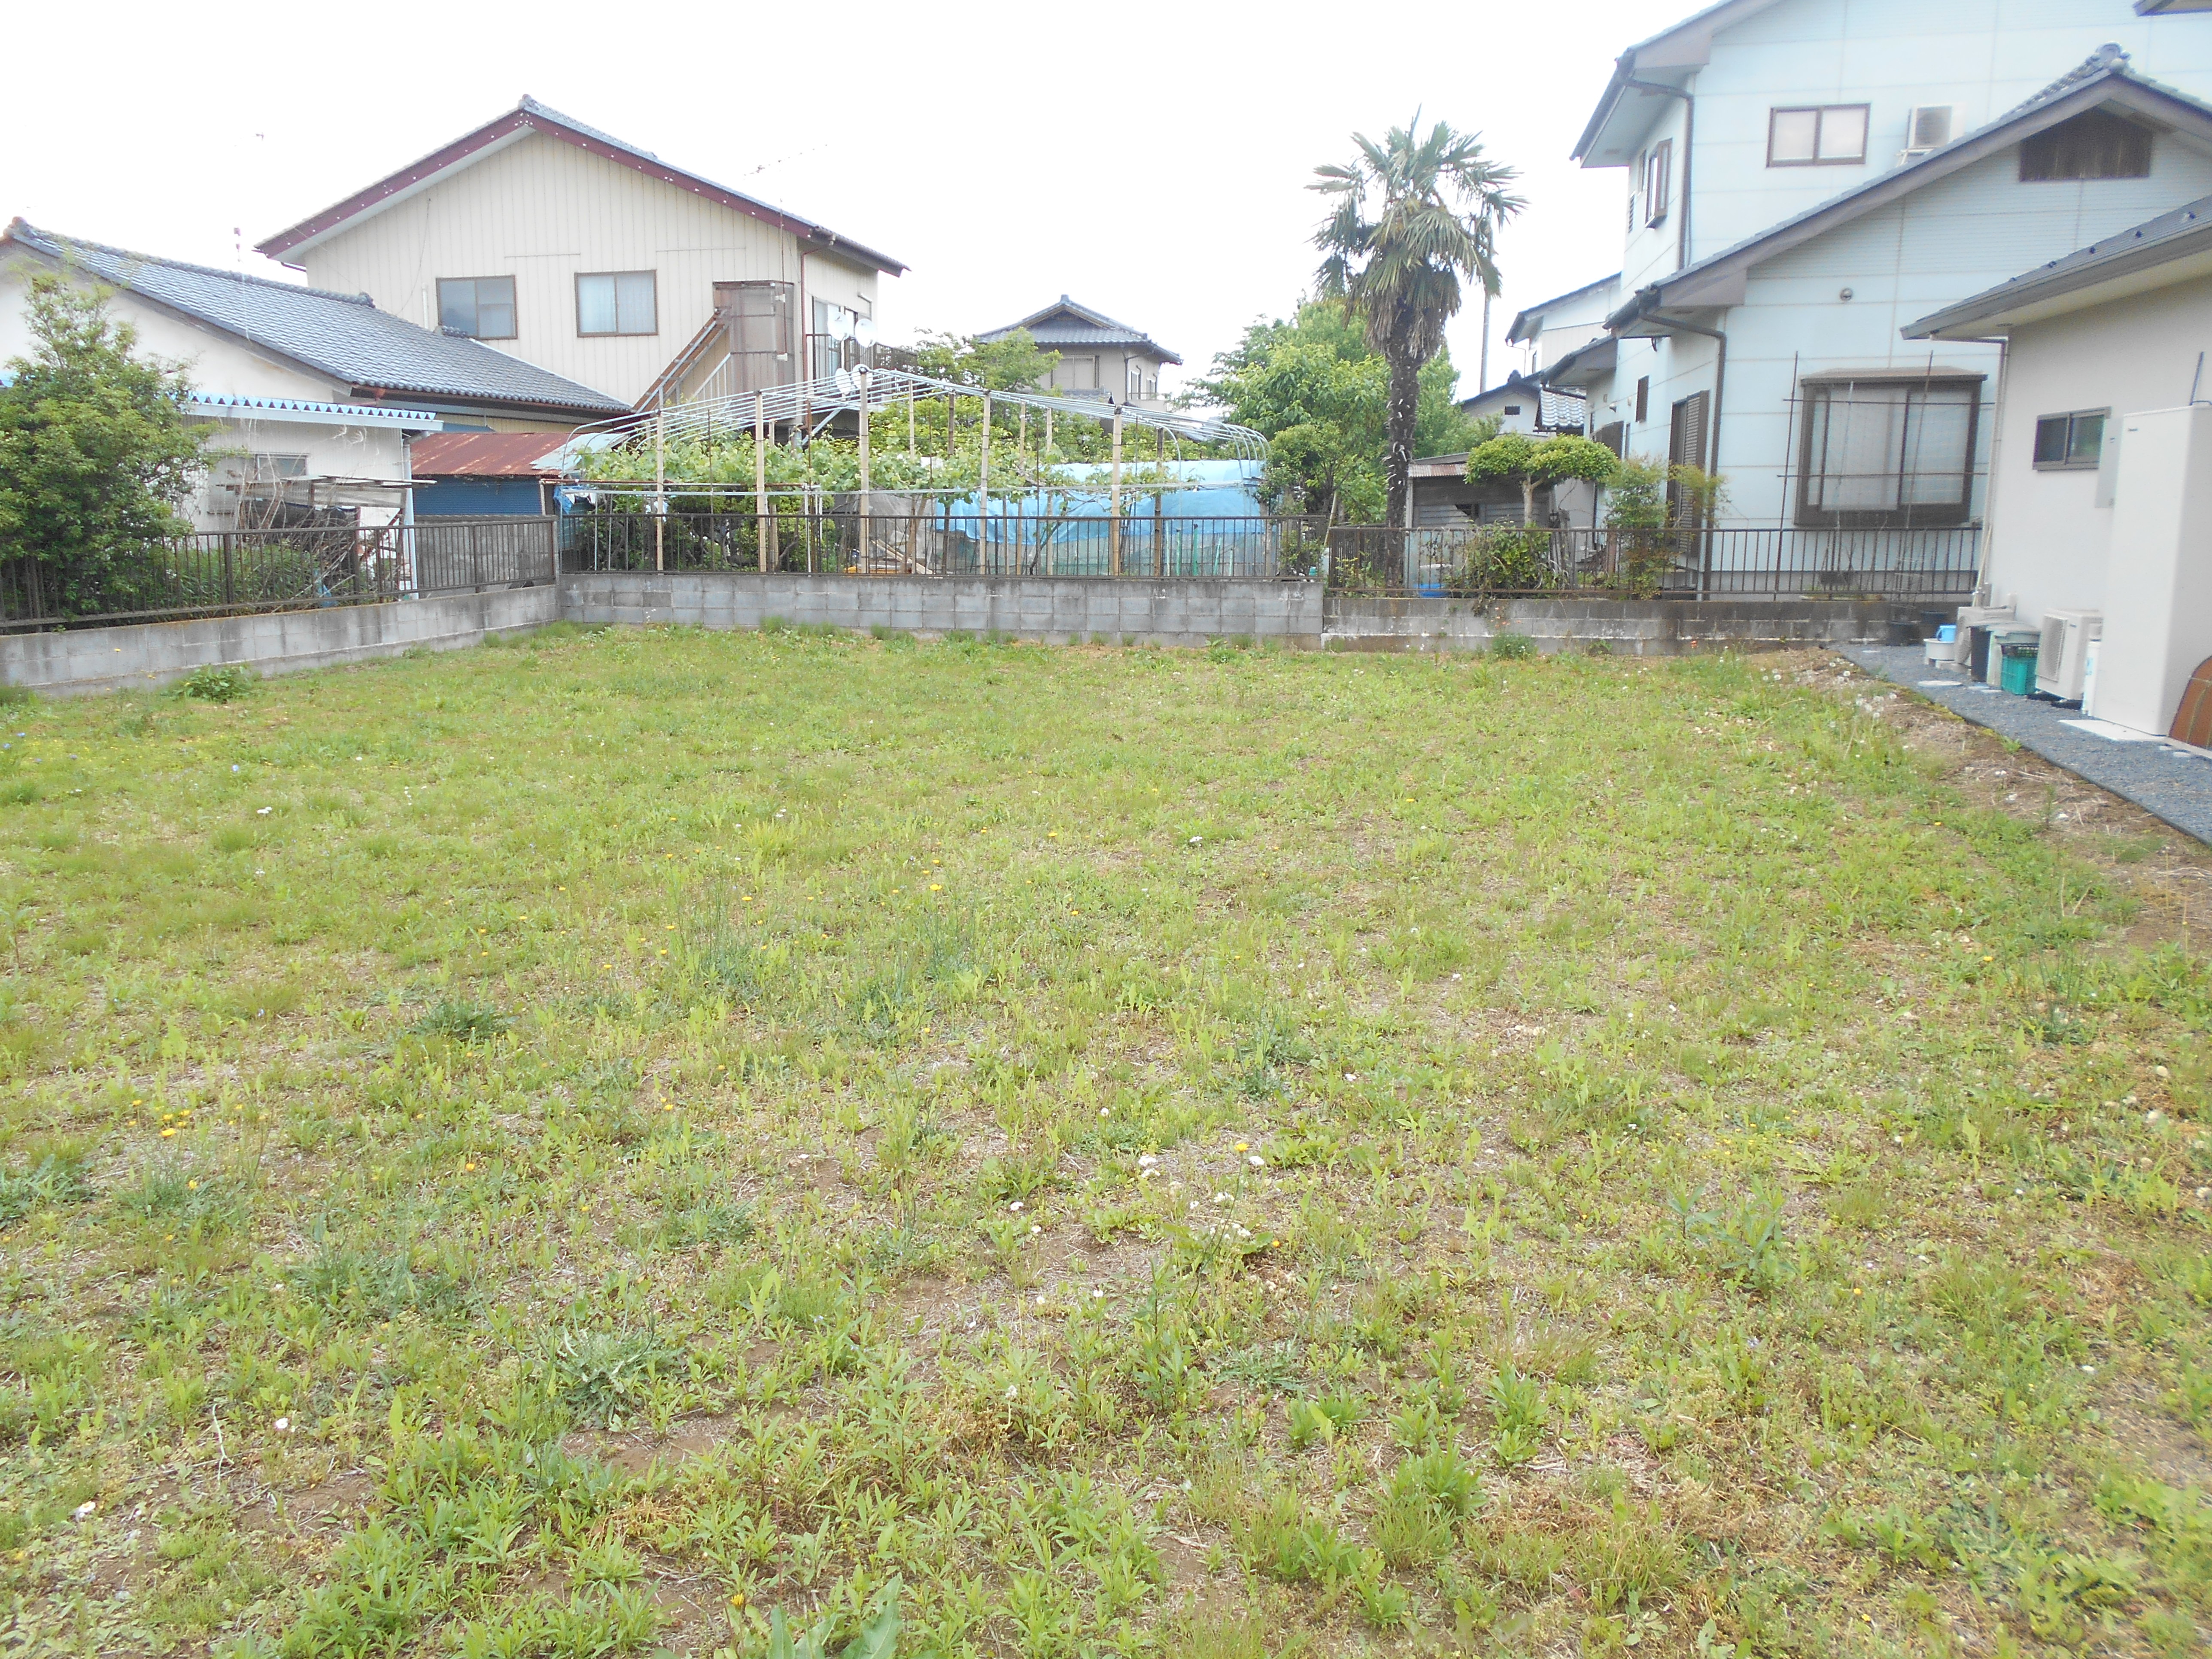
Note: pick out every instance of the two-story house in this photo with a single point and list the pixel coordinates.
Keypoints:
(1098, 356)
(587, 256)
(1805, 176)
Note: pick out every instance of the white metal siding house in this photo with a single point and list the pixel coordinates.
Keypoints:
(2117, 328)
(1805, 176)
(316, 395)
(566, 246)
(1098, 356)
(1549, 330)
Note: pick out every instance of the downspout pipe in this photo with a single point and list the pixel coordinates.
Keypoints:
(1659, 89)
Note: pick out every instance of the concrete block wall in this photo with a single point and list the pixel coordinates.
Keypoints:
(1056, 610)
(282, 642)
(1630, 628)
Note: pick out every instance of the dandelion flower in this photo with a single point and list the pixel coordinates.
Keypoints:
(1243, 1145)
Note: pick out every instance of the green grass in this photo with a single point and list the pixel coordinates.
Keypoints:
(640, 1139)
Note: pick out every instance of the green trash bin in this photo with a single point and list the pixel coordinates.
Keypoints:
(2017, 673)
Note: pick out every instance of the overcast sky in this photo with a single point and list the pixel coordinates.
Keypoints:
(1150, 162)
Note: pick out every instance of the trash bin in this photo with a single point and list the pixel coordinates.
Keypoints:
(2017, 672)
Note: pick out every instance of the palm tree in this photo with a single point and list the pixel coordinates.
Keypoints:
(1414, 216)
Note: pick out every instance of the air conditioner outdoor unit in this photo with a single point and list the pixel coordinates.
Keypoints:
(1927, 127)
(2061, 656)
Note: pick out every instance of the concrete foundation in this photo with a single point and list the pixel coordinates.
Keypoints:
(1056, 610)
(283, 642)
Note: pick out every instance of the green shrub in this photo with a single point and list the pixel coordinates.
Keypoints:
(1513, 647)
(217, 682)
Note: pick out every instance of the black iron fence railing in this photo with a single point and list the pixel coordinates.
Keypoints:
(1772, 563)
(237, 572)
(899, 538)
(240, 572)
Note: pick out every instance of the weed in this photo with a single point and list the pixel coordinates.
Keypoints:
(217, 682)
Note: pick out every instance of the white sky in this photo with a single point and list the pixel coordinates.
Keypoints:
(1149, 161)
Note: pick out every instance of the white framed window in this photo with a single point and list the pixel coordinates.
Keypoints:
(617, 302)
(1658, 182)
(482, 307)
(1816, 136)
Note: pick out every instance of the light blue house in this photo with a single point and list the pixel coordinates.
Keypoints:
(1803, 178)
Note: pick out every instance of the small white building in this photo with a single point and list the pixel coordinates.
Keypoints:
(2105, 364)
(1566, 322)
(316, 395)
(1520, 405)
(565, 245)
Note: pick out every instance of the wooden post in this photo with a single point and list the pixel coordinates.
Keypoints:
(1114, 502)
(983, 496)
(762, 535)
(1047, 434)
(909, 420)
(660, 480)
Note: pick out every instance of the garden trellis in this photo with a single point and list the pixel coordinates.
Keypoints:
(810, 407)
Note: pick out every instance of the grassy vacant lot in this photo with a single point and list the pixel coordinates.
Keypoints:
(641, 1140)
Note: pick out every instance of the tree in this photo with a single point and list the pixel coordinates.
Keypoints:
(1315, 389)
(96, 452)
(1414, 216)
(1014, 363)
(1529, 462)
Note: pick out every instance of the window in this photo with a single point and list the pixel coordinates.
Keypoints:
(1512, 408)
(1827, 135)
(1658, 165)
(274, 469)
(1076, 374)
(1882, 454)
(482, 307)
(617, 302)
(1151, 386)
(2070, 443)
(1643, 399)
(2094, 144)
(1136, 377)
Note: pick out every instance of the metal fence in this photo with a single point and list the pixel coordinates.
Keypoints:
(911, 537)
(242, 572)
(1773, 563)
(915, 538)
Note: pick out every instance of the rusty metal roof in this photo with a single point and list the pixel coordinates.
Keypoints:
(486, 455)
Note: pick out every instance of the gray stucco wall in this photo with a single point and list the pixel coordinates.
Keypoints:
(154, 654)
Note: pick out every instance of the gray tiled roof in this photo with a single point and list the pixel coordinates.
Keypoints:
(1068, 324)
(341, 335)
